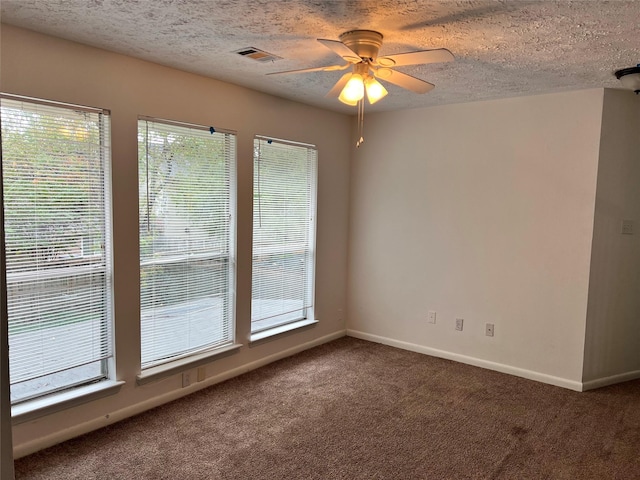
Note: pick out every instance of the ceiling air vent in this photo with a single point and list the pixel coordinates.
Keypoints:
(257, 54)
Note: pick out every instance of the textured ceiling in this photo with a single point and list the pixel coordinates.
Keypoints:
(503, 48)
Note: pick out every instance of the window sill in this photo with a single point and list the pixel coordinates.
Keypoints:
(56, 402)
(272, 332)
(168, 369)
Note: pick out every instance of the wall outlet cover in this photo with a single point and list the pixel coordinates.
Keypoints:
(459, 324)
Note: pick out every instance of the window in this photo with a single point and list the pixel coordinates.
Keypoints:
(284, 209)
(55, 169)
(187, 239)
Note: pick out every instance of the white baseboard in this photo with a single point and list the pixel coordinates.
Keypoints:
(611, 380)
(77, 430)
(476, 362)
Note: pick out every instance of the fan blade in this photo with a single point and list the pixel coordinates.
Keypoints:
(337, 88)
(403, 80)
(414, 58)
(341, 49)
(330, 68)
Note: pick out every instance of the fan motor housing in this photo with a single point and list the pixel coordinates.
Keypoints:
(366, 43)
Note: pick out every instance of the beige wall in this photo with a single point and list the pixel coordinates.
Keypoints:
(46, 67)
(612, 346)
(480, 211)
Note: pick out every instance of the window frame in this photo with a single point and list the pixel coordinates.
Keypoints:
(175, 363)
(94, 386)
(308, 316)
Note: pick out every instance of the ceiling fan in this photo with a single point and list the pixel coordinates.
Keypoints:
(359, 48)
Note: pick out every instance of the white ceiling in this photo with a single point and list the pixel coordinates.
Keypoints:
(503, 48)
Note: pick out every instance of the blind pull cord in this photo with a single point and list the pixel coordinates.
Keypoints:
(258, 186)
(146, 148)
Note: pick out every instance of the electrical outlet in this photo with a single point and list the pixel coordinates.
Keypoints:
(340, 315)
(627, 227)
(459, 324)
(186, 379)
(488, 331)
(431, 316)
(202, 373)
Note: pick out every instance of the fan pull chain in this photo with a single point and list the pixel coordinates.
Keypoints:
(360, 123)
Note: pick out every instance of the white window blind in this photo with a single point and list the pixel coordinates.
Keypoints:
(284, 209)
(187, 239)
(55, 170)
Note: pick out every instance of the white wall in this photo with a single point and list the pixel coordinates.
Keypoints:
(482, 211)
(46, 67)
(612, 346)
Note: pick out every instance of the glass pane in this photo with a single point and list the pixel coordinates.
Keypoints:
(283, 233)
(57, 242)
(186, 229)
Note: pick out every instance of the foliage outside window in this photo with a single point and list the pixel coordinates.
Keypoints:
(187, 238)
(55, 170)
(284, 209)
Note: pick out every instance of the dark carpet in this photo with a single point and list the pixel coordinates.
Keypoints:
(352, 409)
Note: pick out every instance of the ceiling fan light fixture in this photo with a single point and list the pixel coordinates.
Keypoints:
(375, 90)
(630, 78)
(353, 91)
(351, 103)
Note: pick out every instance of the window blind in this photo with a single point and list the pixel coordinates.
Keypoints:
(284, 208)
(187, 239)
(55, 166)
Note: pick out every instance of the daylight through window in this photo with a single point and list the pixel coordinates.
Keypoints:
(284, 210)
(187, 238)
(56, 198)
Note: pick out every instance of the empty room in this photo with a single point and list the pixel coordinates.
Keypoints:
(333, 239)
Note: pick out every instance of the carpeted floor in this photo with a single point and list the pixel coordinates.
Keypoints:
(358, 410)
